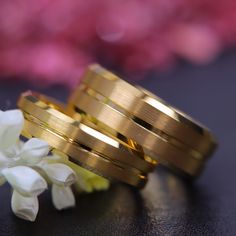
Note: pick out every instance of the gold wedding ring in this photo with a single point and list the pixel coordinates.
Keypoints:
(118, 130)
(86, 146)
(165, 134)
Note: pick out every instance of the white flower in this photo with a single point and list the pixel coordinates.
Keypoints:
(60, 174)
(23, 165)
(4, 161)
(62, 197)
(24, 207)
(11, 123)
(25, 180)
(62, 177)
(12, 153)
(33, 151)
(86, 180)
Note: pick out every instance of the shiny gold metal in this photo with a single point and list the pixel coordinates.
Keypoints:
(86, 158)
(57, 110)
(165, 134)
(154, 145)
(43, 109)
(46, 117)
(149, 109)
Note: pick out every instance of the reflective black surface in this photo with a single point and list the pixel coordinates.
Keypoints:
(168, 205)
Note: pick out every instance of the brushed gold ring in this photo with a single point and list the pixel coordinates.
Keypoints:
(87, 159)
(44, 119)
(149, 108)
(153, 144)
(166, 134)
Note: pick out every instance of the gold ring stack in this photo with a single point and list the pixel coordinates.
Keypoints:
(85, 145)
(118, 130)
(132, 113)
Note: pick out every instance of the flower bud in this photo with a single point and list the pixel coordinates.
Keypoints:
(62, 197)
(25, 180)
(24, 207)
(60, 174)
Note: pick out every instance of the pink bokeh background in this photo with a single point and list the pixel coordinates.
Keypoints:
(52, 41)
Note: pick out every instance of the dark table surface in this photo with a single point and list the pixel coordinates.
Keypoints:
(168, 205)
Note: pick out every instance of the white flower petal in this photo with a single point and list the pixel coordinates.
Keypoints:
(14, 150)
(34, 150)
(62, 197)
(24, 207)
(4, 161)
(88, 181)
(25, 180)
(60, 174)
(11, 123)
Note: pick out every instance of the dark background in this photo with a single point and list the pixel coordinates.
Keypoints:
(168, 205)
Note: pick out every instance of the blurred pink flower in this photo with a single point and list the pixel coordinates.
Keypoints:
(53, 41)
